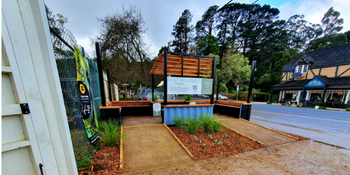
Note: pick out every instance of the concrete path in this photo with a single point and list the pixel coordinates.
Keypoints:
(150, 148)
(331, 127)
(265, 136)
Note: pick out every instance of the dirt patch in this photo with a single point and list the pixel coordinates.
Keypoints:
(305, 157)
(221, 143)
(106, 161)
(296, 136)
(151, 147)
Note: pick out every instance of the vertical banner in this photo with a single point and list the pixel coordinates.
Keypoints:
(86, 97)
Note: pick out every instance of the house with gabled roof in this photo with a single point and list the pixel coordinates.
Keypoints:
(319, 75)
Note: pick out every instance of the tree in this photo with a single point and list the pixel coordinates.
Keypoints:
(161, 50)
(348, 35)
(208, 45)
(331, 22)
(206, 25)
(235, 69)
(327, 41)
(122, 47)
(182, 32)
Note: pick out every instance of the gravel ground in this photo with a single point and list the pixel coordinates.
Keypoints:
(304, 157)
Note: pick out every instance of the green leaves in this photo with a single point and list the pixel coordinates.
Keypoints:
(179, 121)
(192, 124)
(110, 133)
(209, 123)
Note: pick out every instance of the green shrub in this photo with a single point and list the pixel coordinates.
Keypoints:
(155, 98)
(347, 109)
(110, 133)
(192, 124)
(297, 105)
(179, 122)
(210, 124)
(283, 104)
(85, 162)
(318, 103)
(321, 107)
(268, 102)
(188, 97)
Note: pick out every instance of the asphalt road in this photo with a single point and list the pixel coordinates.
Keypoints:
(327, 126)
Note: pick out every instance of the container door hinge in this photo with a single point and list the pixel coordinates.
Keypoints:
(25, 108)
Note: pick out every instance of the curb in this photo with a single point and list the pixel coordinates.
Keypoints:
(271, 129)
(183, 146)
(242, 134)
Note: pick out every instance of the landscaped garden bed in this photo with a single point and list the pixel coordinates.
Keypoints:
(107, 159)
(211, 141)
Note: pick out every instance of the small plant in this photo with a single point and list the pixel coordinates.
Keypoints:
(297, 105)
(283, 104)
(347, 109)
(188, 97)
(322, 107)
(268, 102)
(318, 103)
(155, 98)
(110, 133)
(210, 124)
(85, 162)
(192, 124)
(179, 122)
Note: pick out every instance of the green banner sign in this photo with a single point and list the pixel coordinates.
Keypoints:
(83, 81)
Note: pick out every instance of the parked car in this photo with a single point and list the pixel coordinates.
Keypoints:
(221, 97)
(202, 96)
(143, 94)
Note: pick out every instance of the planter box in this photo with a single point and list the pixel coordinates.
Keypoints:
(171, 111)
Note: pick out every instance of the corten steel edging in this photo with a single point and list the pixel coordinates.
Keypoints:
(183, 146)
(271, 129)
(121, 149)
(242, 134)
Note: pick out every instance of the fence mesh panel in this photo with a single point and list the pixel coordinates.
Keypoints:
(66, 66)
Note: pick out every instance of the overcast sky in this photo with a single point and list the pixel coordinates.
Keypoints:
(160, 16)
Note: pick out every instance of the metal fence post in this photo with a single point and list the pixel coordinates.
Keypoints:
(109, 86)
(251, 82)
(100, 73)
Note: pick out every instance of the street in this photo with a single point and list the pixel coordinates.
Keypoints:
(327, 126)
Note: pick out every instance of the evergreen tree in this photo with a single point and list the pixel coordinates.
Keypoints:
(331, 22)
(182, 32)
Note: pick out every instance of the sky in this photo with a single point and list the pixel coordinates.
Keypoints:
(161, 15)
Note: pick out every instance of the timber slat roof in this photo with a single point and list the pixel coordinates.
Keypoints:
(190, 66)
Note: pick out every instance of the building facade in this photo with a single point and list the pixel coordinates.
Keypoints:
(322, 75)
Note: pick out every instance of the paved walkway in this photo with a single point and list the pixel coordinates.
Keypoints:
(265, 136)
(150, 148)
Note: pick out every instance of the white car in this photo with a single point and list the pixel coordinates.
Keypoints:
(221, 97)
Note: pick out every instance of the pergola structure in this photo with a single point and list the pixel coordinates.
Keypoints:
(180, 64)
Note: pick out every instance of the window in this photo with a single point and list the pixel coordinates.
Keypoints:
(301, 68)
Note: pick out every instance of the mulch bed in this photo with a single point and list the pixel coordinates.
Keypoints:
(297, 136)
(231, 145)
(106, 161)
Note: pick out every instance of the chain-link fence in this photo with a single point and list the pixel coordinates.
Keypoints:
(63, 43)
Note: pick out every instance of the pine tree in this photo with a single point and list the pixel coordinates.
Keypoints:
(182, 32)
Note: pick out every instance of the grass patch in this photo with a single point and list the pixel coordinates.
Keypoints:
(322, 107)
(110, 133)
(179, 121)
(210, 124)
(268, 102)
(192, 124)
